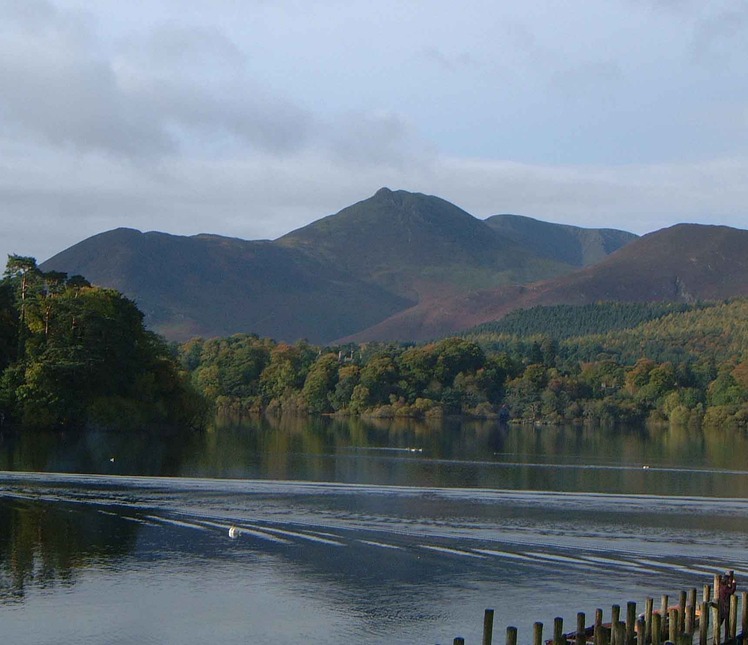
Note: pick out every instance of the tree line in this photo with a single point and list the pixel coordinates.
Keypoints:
(76, 355)
(693, 369)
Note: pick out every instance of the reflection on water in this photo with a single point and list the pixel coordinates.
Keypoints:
(480, 454)
(364, 532)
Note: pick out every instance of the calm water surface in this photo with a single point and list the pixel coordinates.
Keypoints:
(355, 532)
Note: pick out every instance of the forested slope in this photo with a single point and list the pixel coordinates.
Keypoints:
(689, 365)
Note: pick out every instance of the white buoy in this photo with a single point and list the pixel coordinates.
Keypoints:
(112, 460)
(233, 532)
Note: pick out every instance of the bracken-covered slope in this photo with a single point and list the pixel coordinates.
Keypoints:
(683, 263)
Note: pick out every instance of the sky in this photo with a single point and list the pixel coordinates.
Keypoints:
(251, 118)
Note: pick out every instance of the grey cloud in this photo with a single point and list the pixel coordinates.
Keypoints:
(449, 62)
(590, 75)
(186, 49)
(374, 138)
(55, 83)
(715, 34)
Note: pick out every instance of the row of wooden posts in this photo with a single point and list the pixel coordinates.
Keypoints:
(669, 625)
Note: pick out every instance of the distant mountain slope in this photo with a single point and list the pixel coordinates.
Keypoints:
(333, 278)
(682, 263)
(412, 242)
(216, 286)
(560, 242)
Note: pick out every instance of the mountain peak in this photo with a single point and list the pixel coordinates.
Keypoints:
(383, 192)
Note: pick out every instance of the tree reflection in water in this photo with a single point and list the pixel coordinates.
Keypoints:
(45, 545)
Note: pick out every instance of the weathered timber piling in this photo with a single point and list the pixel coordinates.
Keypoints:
(721, 618)
(663, 613)
(488, 627)
(733, 624)
(648, 611)
(656, 629)
(581, 637)
(558, 631)
(630, 623)
(704, 619)
(537, 634)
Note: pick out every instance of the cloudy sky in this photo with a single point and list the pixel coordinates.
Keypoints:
(250, 118)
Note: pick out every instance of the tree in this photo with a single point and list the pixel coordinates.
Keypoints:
(84, 357)
(320, 382)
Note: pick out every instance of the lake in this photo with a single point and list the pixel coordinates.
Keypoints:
(357, 531)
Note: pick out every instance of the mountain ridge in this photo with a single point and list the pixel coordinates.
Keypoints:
(397, 266)
(681, 263)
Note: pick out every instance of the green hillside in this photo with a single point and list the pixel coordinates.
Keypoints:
(414, 243)
(560, 242)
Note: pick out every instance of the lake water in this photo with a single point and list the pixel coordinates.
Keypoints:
(356, 532)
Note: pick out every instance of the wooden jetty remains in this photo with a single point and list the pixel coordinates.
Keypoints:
(711, 621)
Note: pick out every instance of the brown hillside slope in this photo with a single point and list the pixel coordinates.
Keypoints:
(682, 263)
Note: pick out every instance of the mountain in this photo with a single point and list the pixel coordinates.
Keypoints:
(416, 244)
(683, 263)
(560, 242)
(209, 285)
(335, 277)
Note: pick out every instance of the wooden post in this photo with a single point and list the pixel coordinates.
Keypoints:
(733, 629)
(707, 595)
(597, 633)
(648, 611)
(716, 625)
(716, 596)
(537, 634)
(615, 614)
(673, 625)
(704, 622)
(684, 639)
(604, 635)
(692, 604)
(620, 632)
(459, 640)
(511, 636)
(580, 639)
(558, 631)
(682, 612)
(657, 629)
(744, 616)
(641, 631)
(488, 627)
(614, 640)
(688, 625)
(663, 613)
(630, 622)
